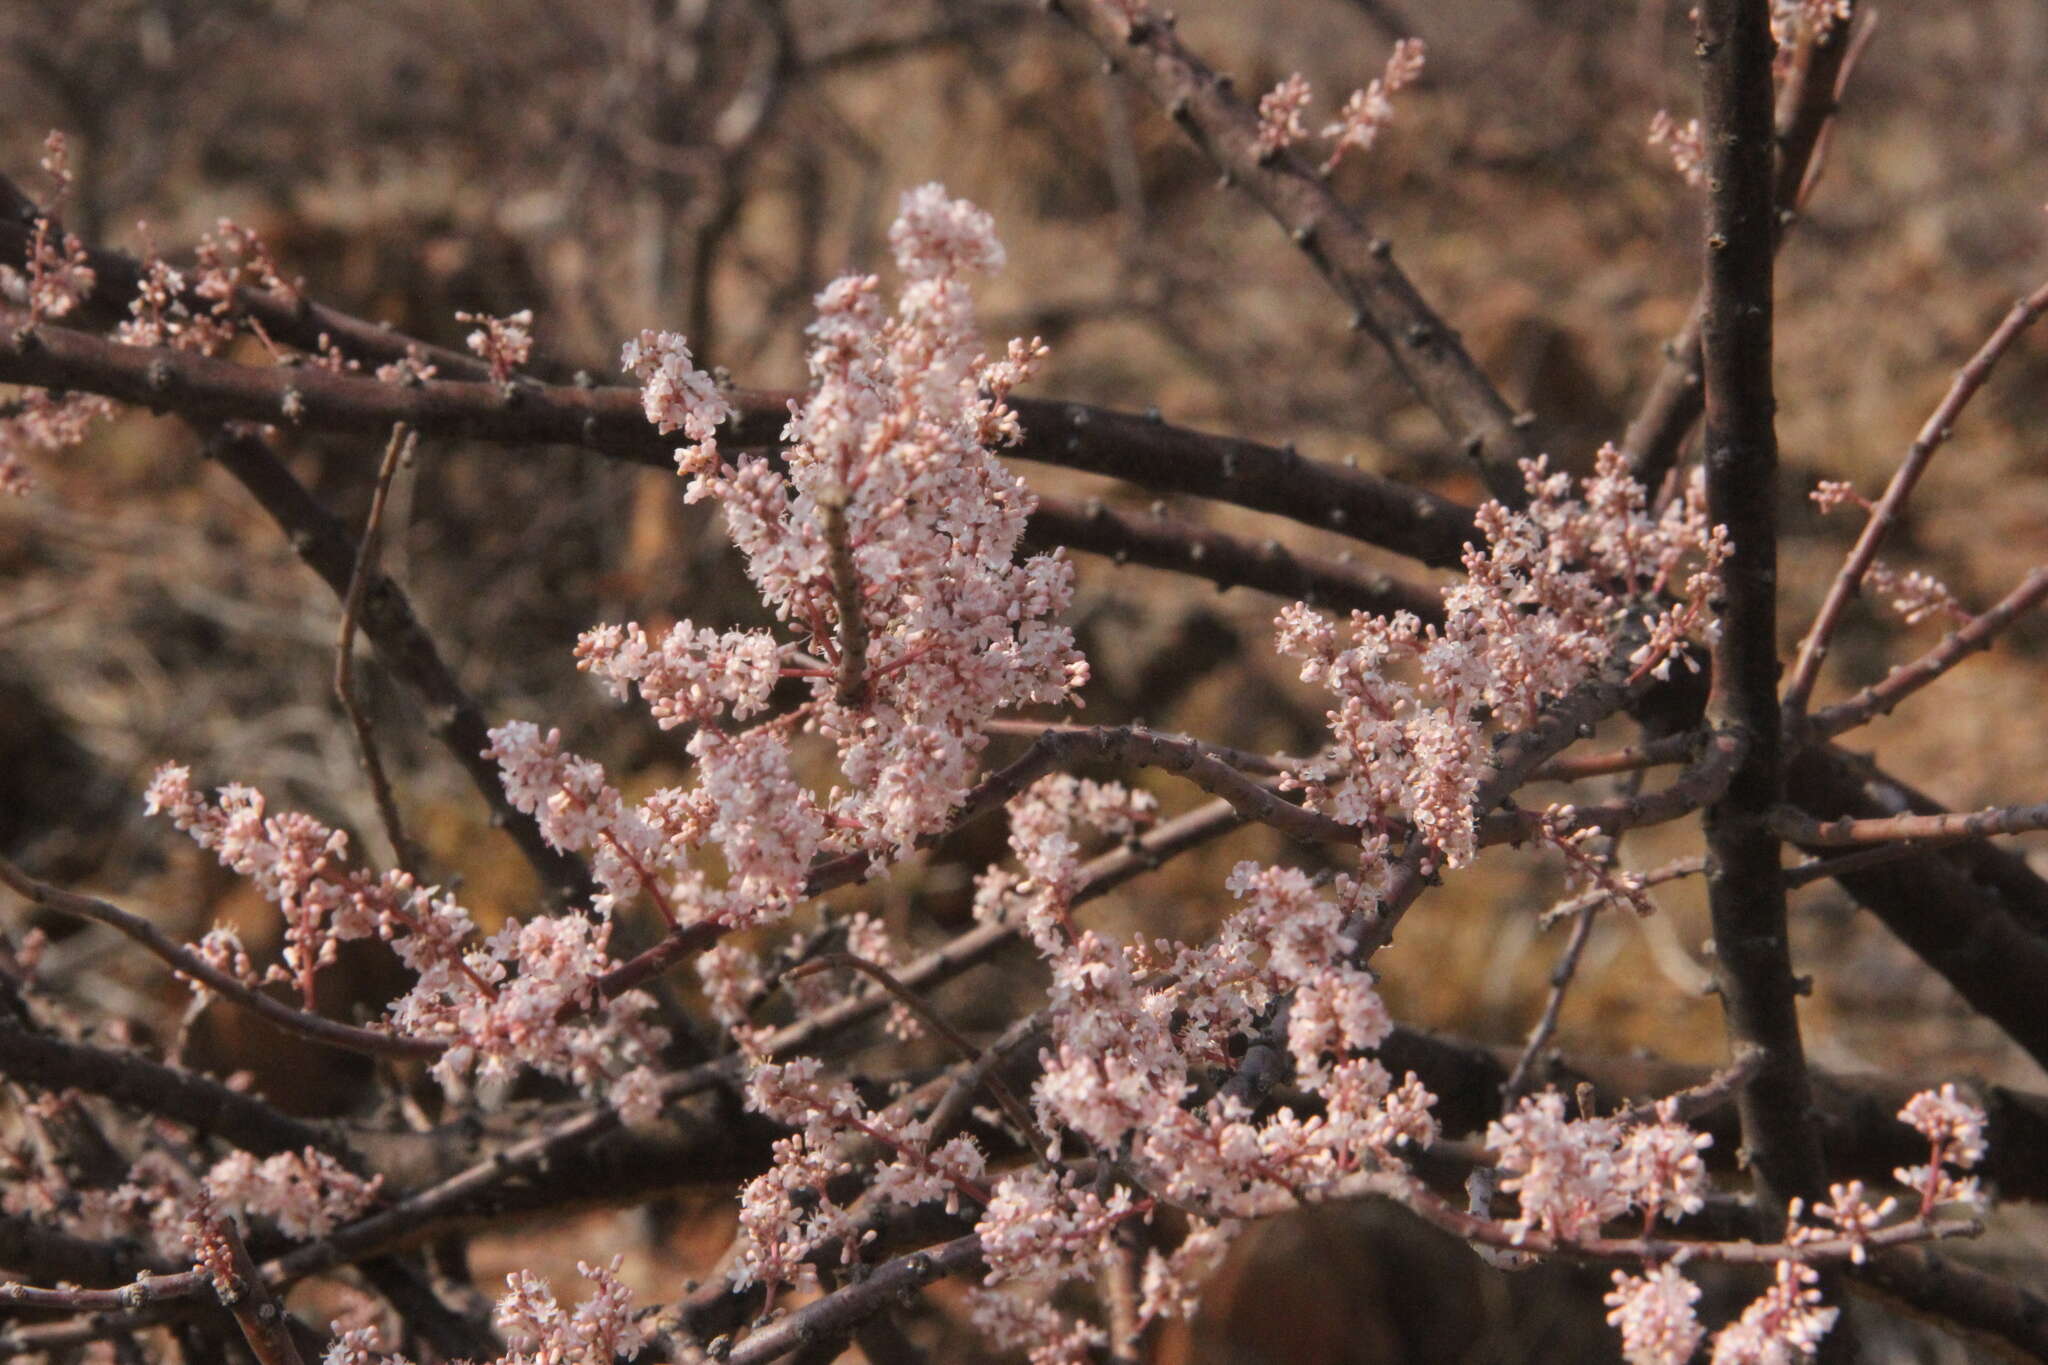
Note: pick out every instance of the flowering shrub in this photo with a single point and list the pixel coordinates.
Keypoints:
(1092, 1166)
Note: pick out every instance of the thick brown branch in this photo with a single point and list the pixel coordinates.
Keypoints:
(188, 963)
(1964, 910)
(1746, 894)
(1227, 561)
(1805, 106)
(1997, 1311)
(841, 1311)
(610, 421)
(187, 1097)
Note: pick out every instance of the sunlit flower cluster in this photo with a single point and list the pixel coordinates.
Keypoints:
(1551, 594)
(1572, 1174)
(602, 1329)
(527, 996)
(883, 540)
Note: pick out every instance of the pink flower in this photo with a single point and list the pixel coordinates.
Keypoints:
(504, 343)
(677, 396)
(1655, 1315)
(1785, 1323)
(306, 1193)
(1369, 110)
(1280, 111)
(1687, 146)
(602, 1328)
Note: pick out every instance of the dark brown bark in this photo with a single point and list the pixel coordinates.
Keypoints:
(1746, 892)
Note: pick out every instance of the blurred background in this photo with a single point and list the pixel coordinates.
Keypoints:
(705, 166)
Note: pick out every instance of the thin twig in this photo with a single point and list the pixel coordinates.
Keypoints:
(936, 1022)
(1882, 696)
(1934, 433)
(1424, 350)
(1567, 965)
(398, 450)
(403, 643)
(188, 963)
(1845, 832)
(1600, 895)
(1650, 754)
(1561, 975)
(1695, 1100)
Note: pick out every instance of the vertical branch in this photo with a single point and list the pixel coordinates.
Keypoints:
(1746, 890)
(1806, 108)
(852, 686)
(398, 450)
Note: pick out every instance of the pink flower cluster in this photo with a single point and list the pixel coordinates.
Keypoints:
(747, 802)
(1280, 111)
(885, 542)
(1685, 143)
(504, 343)
(58, 279)
(1654, 1310)
(164, 1204)
(525, 997)
(788, 1213)
(1914, 594)
(1550, 596)
(1954, 1129)
(677, 396)
(602, 1329)
(1369, 110)
(1571, 1175)
(1358, 123)
(306, 1193)
(1790, 19)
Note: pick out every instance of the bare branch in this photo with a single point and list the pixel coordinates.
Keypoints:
(1882, 696)
(1359, 266)
(1745, 892)
(1934, 433)
(1806, 107)
(398, 450)
(1844, 832)
(188, 963)
(404, 644)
